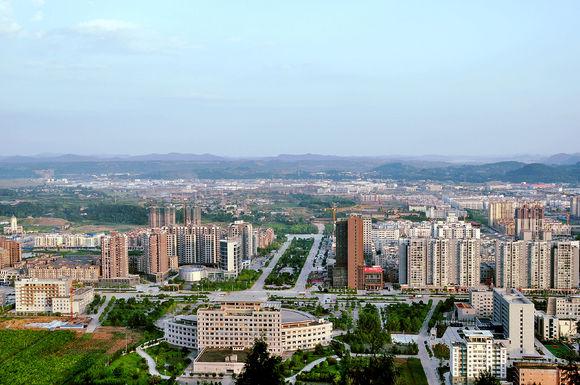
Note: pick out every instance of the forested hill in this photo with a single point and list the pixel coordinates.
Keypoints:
(516, 172)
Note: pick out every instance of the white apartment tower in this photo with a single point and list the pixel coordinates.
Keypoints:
(477, 352)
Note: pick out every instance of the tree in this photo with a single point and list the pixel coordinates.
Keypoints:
(486, 378)
(441, 351)
(261, 368)
(374, 370)
(570, 373)
(370, 328)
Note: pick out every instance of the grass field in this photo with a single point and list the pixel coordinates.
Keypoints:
(411, 370)
(557, 348)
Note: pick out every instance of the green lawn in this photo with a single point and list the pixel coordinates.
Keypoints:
(169, 360)
(557, 348)
(411, 371)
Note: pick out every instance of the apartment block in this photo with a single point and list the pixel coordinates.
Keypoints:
(114, 256)
(477, 352)
(482, 302)
(50, 296)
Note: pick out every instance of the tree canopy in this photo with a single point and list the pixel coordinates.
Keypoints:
(261, 367)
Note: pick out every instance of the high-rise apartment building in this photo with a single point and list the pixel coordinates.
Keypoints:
(529, 218)
(193, 216)
(439, 262)
(230, 258)
(114, 256)
(499, 212)
(575, 206)
(161, 216)
(477, 352)
(539, 265)
(509, 262)
(515, 313)
(10, 252)
(348, 269)
(413, 262)
(197, 245)
(367, 236)
(565, 265)
(244, 232)
(155, 258)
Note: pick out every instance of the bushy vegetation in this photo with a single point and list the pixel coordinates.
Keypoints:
(169, 360)
(244, 280)
(441, 308)
(403, 317)
(441, 351)
(369, 336)
(136, 314)
(294, 257)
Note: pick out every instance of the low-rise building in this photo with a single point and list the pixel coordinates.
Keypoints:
(530, 373)
(482, 302)
(182, 331)
(561, 307)
(220, 361)
(464, 311)
(35, 295)
(81, 298)
(550, 327)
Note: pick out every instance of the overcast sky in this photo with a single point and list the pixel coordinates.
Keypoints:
(247, 78)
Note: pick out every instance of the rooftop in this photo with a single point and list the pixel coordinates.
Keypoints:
(291, 315)
(220, 355)
(477, 333)
(514, 296)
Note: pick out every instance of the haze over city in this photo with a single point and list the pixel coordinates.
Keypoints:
(289, 192)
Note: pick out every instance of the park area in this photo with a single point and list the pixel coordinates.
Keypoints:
(288, 268)
(56, 357)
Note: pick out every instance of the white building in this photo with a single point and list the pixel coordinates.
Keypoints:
(50, 296)
(549, 327)
(230, 257)
(482, 302)
(477, 352)
(239, 320)
(515, 313)
(182, 331)
(568, 307)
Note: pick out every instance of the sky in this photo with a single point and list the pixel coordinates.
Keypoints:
(260, 78)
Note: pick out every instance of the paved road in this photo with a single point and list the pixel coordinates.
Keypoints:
(429, 364)
(94, 324)
(307, 368)
(308, 268)
(259, 284)
(150, 363)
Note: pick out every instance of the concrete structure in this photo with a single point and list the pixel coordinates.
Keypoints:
(529, 217)
(81, 298)
(50, 296)
(515, 313)
(10, 252)
(182, 331)
(114, 256)
(550, 327)
(347, 270)
(565, 257)
(565, 308)
(367, 236)
(230, 257)
(530, 373)
(218, 361)
(464, 311)
(243, 232)
(240, 319)
(192, 273)
(161, 216)
(155, 257)
(482, 302)
(13, 229)
(477, 352)
(56, 267)
(373, 278)
(575, 206)
(499, 212)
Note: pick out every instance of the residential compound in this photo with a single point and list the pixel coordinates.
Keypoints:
(57, 267)
(537, 264)
(439, 262)
(51, 296)
(235, 322)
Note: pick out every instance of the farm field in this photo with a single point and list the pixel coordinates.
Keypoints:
(52, 357)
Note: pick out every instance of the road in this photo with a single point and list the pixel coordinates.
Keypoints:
(94, 324)
(429, 364)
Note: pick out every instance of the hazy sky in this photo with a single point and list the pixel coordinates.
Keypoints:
(269, 77)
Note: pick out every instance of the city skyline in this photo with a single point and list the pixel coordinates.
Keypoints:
(442, 78)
